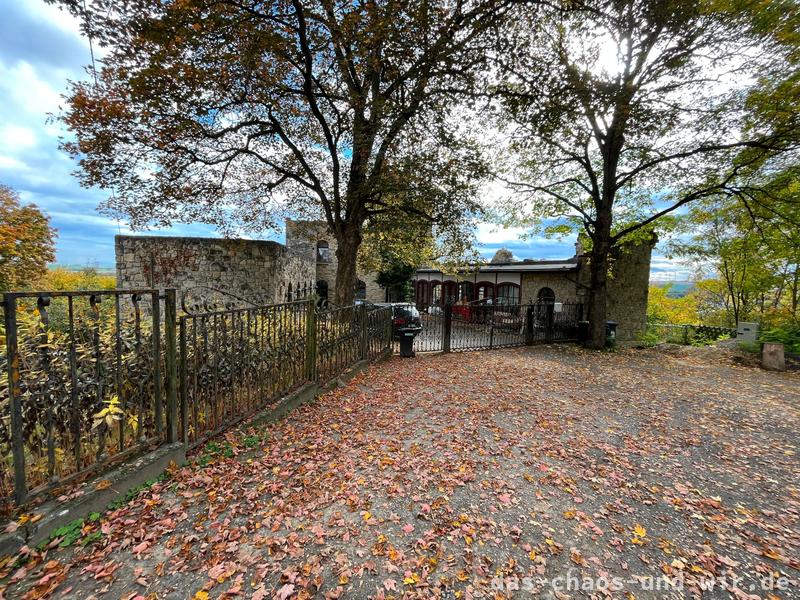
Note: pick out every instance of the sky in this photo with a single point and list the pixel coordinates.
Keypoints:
(41, 49)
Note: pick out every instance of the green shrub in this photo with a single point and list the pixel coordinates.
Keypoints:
(788, 335)
(648, 338)
(752, 347)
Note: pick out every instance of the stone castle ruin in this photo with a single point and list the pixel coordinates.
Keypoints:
(266, 272)
(256, 271)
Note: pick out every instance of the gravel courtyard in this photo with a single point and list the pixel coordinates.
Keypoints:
(547, 472)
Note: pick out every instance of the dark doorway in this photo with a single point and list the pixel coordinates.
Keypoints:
(546, 296)
(322, 289)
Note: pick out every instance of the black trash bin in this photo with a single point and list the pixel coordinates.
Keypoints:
(407, 341)
(611, 333)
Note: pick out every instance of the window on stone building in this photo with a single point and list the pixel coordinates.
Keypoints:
(421, 293)
(323, 252)
(485, 290)
(449, 292)
(436, 293)
(466, 291)
(507, 294)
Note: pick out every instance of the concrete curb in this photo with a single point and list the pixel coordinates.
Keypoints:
(96, 497)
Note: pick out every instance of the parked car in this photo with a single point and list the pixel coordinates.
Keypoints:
(405, 316)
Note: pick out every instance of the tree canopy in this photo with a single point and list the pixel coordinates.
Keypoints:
(748, 254)
(236, 112)
(623, 112)
(27, 242)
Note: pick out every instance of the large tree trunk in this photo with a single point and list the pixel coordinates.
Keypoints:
(598, 297)
(348, 243)
(598, 292)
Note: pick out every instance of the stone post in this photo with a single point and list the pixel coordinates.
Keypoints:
(772, 357)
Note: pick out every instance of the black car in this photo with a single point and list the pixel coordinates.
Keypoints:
(405, 317)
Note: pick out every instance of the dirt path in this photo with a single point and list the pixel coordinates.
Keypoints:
(561, 472)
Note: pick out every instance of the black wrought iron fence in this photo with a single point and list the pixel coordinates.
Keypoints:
(483, 326)
(85, 378)
(688, 334)
(91, 377)
(236, 362)
(378, 332)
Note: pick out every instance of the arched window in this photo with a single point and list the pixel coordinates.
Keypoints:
(322, 289)
(484, 290)
(436, 293)
(449, 290)
(507, 294)
(421, 293)
(466, 291)
(323, 252)
(546, 296)
(361, 290)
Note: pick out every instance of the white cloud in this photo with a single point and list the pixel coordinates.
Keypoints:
(13, 137)
(12, 164)
(54, 16)
(31, 96)
(488, 233)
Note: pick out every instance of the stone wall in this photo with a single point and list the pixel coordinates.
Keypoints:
(302, 237)
(375, 292)
(563, 284)
(258, 271)
(628, 288)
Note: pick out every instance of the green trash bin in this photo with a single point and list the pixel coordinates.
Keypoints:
(611, 333)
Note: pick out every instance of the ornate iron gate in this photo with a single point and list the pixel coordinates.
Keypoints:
(455, 328)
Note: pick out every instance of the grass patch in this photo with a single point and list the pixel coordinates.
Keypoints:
(133, 492)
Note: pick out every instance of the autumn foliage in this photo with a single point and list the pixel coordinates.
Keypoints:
(26, 241)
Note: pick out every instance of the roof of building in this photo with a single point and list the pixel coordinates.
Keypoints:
(517, 266)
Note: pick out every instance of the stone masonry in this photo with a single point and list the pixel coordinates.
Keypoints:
(255, 270)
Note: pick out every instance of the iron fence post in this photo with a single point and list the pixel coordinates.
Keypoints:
(548, 328)
(14, 392)
(170, 363)
(311, 340)
(156, 340)
(493, 312)
(182, 390)
(529, 325)
(389, 333)
(685, 335)
(448, 327)
(364, 340)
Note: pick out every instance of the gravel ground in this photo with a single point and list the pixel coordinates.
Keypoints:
(547, 472)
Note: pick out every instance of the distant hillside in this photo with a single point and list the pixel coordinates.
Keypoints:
(677, 289)
(104, 269)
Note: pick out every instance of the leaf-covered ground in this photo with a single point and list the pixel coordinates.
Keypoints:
(562, 472)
